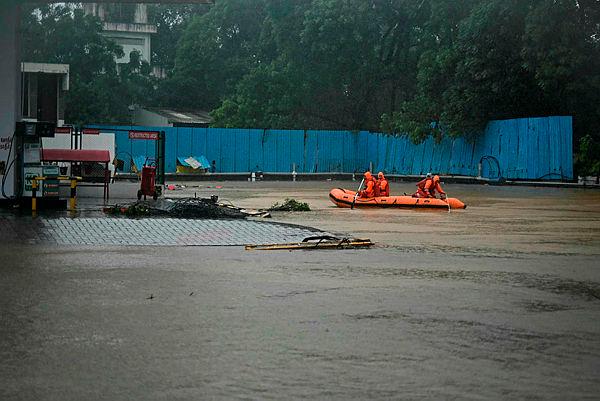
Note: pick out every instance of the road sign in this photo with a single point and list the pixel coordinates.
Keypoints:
(150, 135)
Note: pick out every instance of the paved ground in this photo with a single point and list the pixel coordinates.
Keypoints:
(499, 301)
(105, 231)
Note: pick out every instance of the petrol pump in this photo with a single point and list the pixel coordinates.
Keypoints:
(22, 162)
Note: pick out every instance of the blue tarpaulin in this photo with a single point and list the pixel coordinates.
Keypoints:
(194, 162)
(139, 162)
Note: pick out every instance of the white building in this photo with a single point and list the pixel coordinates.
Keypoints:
(127, 25)
(42, 91)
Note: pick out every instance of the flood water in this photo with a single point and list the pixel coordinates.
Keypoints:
(498, 301)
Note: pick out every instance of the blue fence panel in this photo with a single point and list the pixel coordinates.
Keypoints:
(269, 150)
(170, 149)
(421, 161)
(566, 139)
(525, 148)
(324, 151)
(184, 142)
(399, 155)
(297, 150)
(510, 155)
(227, 150)
(373, 149)
(464, 153)
(348, 147)
(282, 154)
(362, 151)
(240, 149)
(543, 167)
(255, 150)
(312, 151)
(383, 151)
(199, 142)
(213, 147)
(338, 154)
(443, 158)
(122, 147)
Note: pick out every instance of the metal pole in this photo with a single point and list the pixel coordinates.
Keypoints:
(33, 195)
(72, 199)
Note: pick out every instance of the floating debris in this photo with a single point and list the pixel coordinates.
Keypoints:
(183, 208)
(290, 205)
(318, 242)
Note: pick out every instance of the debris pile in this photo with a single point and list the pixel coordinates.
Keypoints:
(182, 208)
(290, 205)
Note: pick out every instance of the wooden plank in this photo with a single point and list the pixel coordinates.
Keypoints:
(336, 244)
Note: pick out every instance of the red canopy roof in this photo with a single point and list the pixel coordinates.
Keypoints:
(75, 155)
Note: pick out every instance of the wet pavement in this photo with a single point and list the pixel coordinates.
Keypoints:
(499, 301)
(103, 231)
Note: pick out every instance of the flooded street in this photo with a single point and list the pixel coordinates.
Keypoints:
(498, 301)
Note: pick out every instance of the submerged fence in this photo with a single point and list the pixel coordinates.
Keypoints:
(528, 148)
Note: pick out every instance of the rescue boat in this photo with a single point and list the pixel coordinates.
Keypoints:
(344, 198)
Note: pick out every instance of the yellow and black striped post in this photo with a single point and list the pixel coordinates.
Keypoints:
(72, 199)
(34, 184)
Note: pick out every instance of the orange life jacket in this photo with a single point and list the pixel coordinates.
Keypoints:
(431, 187)
(369, 191)
(384, 187)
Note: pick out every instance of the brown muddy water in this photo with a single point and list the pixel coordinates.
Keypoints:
(498, 301)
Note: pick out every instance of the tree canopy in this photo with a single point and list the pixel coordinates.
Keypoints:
(98, 92)
(416, 68)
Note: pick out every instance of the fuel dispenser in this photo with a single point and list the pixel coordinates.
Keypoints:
(23, 162)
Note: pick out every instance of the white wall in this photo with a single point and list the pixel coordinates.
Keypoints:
(9, 86)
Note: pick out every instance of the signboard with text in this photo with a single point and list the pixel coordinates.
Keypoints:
(150, 135)
(62, 130)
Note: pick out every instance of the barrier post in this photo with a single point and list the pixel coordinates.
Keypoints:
(73, 194)
(33, 195)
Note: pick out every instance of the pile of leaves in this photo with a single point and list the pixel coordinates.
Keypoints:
(290, 205)
(137, 209)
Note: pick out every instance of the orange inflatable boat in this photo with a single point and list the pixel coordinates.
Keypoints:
(344, 198)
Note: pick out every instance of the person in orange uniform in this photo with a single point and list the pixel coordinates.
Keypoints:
(383, 185)
(427, 187)
(421, 187)
(434, 185)
(369, 191)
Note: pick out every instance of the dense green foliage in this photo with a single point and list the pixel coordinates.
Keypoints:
(61, 34)
(417, 68)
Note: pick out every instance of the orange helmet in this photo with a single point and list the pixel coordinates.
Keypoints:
(436, 178)
(368, 175)
(380, 175)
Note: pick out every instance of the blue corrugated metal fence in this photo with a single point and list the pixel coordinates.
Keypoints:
(529, 148)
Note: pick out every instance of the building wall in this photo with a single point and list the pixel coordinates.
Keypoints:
(10, 93)
(31, 95)
(131, 30)
(130, 42)
(529, 148)
(147, 118)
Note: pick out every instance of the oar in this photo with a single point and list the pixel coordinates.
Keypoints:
(356, 194)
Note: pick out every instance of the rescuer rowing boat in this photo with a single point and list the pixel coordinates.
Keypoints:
(346, 197)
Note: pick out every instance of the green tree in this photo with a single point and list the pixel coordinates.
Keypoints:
(171, 20)
(504, 59)
(339, 64)
(216, 50)
(98, 93)
(561, 47)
